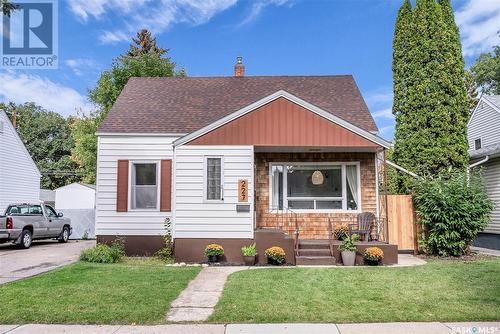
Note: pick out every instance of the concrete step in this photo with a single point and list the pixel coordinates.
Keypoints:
(315, 260)
(314, 252)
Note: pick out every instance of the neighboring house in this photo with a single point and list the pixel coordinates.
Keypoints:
(19, 175)
(48, 196)
(77, 201)
(234, 160)
(484, 151)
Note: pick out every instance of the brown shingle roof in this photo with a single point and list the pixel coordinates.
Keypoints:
(183, 105)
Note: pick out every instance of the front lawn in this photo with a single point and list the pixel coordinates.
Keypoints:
(438, 291)
(134, 291)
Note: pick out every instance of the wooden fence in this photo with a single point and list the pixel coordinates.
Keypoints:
(401, 227)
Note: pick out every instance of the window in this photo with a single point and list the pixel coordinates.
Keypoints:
(477, 144)
(50, 212)
(314, 186)
(214, 179)
(144, 186)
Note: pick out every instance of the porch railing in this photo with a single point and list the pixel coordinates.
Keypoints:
(286, 219)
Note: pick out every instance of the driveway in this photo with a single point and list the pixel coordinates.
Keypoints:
(43, 256)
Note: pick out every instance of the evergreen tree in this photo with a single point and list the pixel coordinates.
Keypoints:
(471, 87)
(430, 97)
(145, 43)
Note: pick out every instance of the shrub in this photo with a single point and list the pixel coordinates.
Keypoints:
(340, 232)
(452, 209)
(102, 253)
(249, 250)
(373, 254)
(214, 250)
(166, 253)
(275, 255)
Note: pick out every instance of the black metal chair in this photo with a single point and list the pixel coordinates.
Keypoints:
(363, 225)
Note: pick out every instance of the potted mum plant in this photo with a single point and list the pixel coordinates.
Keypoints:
(373, 256)
(214, 252)
(275, 255)
(348, 250)
(249, 253)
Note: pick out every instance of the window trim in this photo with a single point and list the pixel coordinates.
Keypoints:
(480, 143)
(205, 180)
(343, 165)
(158, 184)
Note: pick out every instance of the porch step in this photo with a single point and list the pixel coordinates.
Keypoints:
(315, 260)
(314, 244)
(314, 252)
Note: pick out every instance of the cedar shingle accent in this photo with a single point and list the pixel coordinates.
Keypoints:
(122, 186)
(184, 105)
(166, 185)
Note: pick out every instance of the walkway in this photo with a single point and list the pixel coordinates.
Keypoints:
(197, 301)
(486, 251)
(377, 328)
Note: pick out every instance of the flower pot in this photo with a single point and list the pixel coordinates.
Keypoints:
(249, 260)
(273, 262)
(214, 258)
(348, 258)
(369, 262)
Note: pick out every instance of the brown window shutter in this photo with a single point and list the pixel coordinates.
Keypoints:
(122, 186)
(166, 185)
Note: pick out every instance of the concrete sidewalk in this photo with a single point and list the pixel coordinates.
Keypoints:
(376, 328)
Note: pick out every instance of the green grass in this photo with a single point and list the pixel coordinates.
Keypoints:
(134, 291)
(438, 291)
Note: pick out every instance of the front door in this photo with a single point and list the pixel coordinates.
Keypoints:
(53, 221)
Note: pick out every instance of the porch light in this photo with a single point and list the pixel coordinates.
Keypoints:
(317, 178)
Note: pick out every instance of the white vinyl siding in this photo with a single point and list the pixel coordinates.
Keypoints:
(195, 217)
(132, 148)
(19, 176)
(491, 173)
(484, 125)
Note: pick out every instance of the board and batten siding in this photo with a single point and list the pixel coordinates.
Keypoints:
(197, 218)
(485, 124)
(19, 176)
(112, 148)
(491, 174)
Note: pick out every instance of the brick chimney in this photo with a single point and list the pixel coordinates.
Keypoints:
(239, 68)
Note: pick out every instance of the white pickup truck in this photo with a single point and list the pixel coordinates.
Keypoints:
(22, 223)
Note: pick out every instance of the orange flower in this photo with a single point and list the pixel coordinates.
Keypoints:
(373, 253)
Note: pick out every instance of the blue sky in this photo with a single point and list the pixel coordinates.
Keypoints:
(275, 37)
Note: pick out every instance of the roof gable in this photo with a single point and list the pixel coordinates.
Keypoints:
(184, 105)
(282, 119)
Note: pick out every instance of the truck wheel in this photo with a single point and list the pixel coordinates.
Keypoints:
(64, 235)
(26, 239)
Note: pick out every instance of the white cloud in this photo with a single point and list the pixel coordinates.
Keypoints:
(21, 88)
(383, 113)
(81, 66)
(479, 24)
(157, 16)
(257, 8)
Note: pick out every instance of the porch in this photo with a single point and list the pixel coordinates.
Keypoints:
(288, 199)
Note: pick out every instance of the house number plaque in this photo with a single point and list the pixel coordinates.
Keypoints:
(243, 190)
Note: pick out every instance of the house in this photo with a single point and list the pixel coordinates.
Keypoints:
(77, 201)
(484, 150)
(233, 160)
(19, 175)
